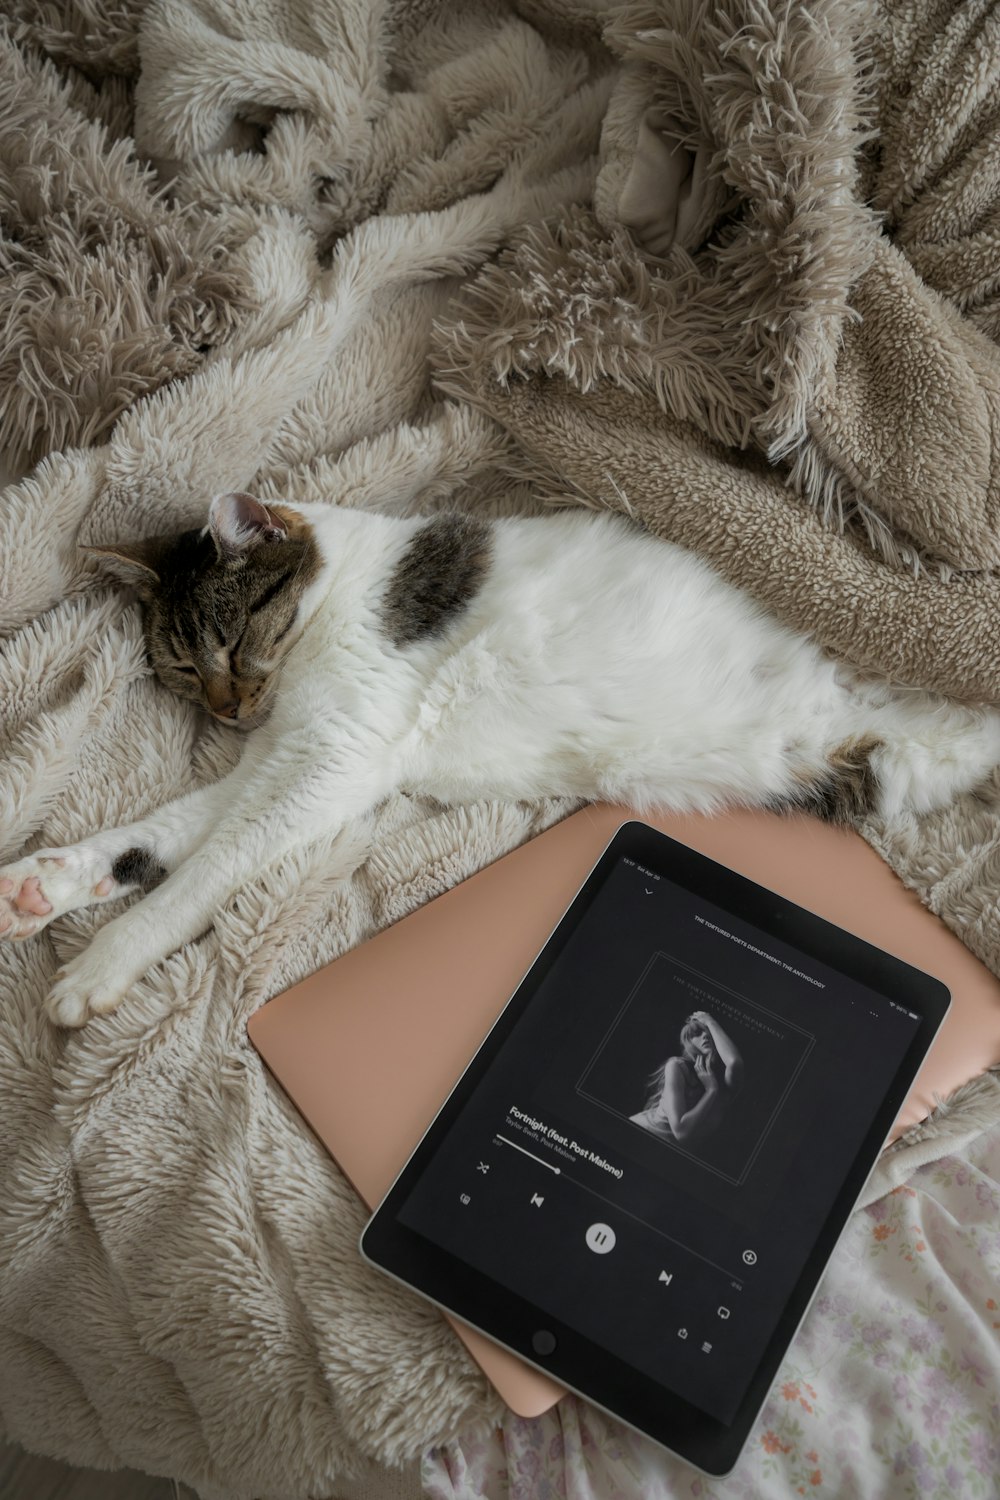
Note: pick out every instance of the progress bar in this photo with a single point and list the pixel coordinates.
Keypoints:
(547, 1164)
(734, 1276)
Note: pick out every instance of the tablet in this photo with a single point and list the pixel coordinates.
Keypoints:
(639, 1179)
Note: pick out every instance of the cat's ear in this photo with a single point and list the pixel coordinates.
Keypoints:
(136, 563)
(238, 523)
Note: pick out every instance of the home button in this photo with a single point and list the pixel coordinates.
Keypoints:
(543, 1342)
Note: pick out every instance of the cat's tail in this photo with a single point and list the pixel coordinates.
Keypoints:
(912, 752)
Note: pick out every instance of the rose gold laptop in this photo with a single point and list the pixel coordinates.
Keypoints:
(411, 1006)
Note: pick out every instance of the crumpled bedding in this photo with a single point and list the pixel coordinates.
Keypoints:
(220, 231)
(799, 325)
(180, 1287)
(891, 1388)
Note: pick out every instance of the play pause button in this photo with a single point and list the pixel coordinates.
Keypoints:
(601, 1238)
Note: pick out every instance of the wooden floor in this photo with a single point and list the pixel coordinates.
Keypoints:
(24, 1477)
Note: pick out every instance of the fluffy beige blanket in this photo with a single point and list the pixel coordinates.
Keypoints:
(791, 286)
(227, 236)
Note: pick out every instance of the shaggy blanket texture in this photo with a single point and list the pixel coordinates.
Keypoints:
(759, 315)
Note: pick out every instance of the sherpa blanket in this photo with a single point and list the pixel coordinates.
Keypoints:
(228, 235)
(782, 311)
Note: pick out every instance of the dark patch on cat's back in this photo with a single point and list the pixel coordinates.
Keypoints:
(436, 577)
(138, 867)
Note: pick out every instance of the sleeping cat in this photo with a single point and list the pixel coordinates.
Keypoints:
(462, 658)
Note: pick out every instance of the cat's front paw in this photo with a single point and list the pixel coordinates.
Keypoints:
(89, 986)
(46, 884)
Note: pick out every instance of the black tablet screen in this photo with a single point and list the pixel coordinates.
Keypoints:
(653, 1150)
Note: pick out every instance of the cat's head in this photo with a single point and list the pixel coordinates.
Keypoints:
(222, 605)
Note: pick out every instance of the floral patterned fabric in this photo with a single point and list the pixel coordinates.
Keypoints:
(891, 1389)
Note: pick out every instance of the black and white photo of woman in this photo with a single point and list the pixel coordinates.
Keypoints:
(691, 1094)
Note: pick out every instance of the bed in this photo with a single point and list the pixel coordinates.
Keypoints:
(374, 252)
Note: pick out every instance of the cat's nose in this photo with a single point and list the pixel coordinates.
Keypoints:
(227, 710)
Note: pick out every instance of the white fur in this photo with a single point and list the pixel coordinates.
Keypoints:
(594, 661)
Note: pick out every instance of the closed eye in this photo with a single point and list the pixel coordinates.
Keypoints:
(236, 646)
(188, 671)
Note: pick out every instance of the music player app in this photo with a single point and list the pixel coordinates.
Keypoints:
(653, 1151)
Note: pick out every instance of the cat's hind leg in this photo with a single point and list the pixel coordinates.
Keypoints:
(933, 751)
(908, 752)
(41, 886)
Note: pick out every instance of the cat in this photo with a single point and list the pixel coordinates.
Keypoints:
(464, 658)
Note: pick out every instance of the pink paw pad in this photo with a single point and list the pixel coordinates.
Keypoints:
(104, 887)
(30, 899)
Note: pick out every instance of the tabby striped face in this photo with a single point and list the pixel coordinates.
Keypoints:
(221, 605)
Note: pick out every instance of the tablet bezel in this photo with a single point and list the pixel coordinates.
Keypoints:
(578, 1362)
